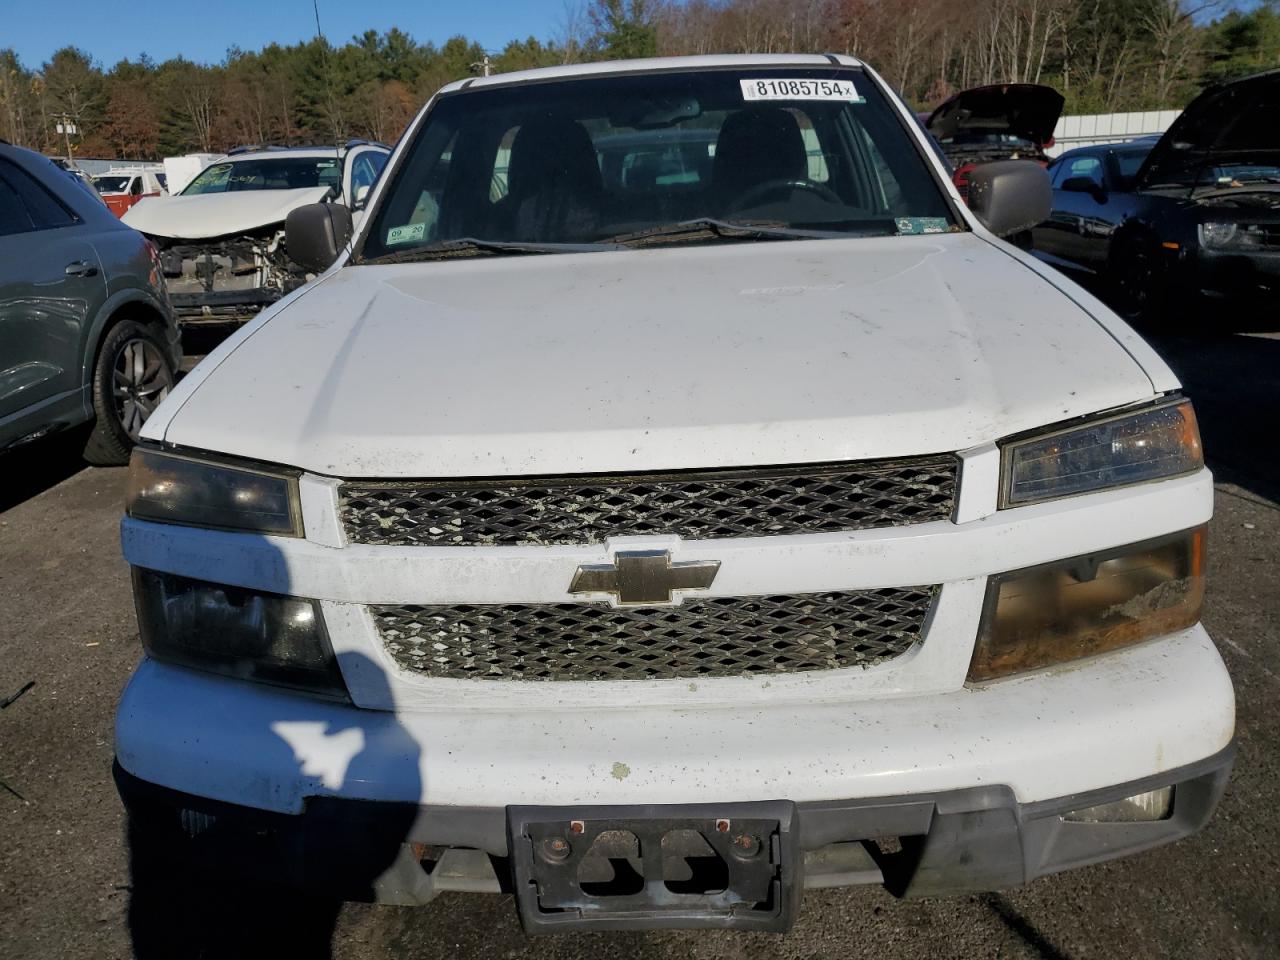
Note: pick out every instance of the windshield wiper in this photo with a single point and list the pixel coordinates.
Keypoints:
(474, 246)
(710, 227)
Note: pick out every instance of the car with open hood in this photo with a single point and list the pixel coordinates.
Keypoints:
(1194, 216)
(1007, 121)
(221, 239)
(668, 498)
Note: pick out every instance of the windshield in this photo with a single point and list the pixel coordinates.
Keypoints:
(109, 184)
(600, 159)
(274, 173)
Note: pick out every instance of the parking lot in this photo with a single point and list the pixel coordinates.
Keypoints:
(68, 639)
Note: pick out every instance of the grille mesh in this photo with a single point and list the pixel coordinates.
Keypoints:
(708, 637)
(705, 505)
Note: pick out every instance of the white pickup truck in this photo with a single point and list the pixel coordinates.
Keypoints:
(708, 507)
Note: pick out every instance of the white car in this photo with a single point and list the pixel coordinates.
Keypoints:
(656, 534)
(221, 239)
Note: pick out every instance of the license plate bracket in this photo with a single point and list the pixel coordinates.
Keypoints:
(727, 866)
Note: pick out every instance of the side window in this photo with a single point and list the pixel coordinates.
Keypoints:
(885, 183)
(813, 149)
(365, 169)
(43, 209)
(135, 187)
(1089, 168)
(13, 215)
(501, 163)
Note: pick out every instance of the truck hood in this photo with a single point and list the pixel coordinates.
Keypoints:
(1029, 111)
(721, 355)
(204, 215)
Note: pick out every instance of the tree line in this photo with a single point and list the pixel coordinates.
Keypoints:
(1103, 55)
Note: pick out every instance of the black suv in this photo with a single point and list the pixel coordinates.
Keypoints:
(86, 333)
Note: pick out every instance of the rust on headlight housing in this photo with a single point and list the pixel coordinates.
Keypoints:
(1062, 611)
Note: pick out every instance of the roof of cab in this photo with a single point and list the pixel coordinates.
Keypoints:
(656, 64)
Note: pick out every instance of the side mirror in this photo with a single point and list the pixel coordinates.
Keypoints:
(1010, 196)
(315, 233)
(362, 194)
(1084, 185)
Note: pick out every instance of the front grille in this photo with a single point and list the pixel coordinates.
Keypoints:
(694, 505)
(707, 637)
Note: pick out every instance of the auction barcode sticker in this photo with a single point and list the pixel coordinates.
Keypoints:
(780, 88)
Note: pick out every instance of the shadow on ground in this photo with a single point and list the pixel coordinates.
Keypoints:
(33, 468)
(1235, 384)
(210, 880)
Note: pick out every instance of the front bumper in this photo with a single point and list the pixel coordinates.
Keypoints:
(967, 786)
(1237, 276)
(1084, 726)
(957, 841)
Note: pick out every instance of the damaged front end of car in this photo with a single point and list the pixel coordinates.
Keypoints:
(228, 279)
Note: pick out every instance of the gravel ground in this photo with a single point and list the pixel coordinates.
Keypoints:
(66, 624)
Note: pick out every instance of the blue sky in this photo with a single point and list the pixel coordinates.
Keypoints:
(203, 30)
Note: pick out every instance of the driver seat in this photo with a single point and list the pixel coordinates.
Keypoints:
(755, 146)
(553, 184)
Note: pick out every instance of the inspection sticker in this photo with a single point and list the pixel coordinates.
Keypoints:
(912, 226)
(407, 233)
(781, 88)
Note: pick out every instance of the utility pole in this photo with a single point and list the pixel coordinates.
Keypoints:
(66, 127)
(484, 65)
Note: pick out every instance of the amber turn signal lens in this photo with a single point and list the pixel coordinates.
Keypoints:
(1076, 608)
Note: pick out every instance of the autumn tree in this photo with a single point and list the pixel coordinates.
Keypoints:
(1104, 55)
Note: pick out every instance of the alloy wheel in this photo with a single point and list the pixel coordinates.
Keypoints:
(140, 380)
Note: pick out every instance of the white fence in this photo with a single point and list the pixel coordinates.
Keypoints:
(1088, 129)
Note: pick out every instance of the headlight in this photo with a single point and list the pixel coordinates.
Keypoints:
(1151, 444)
(1217, 234)
(236, 632)
(1075, 608)
(1238, 236)
(207, 493)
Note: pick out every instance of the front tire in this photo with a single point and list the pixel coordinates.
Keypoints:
(1138, 282)
(131, 375)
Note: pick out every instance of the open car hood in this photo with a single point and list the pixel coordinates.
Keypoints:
(204, 215)
(1029, 111)
(1236, 122)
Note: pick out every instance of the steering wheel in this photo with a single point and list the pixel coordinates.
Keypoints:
(762, 190)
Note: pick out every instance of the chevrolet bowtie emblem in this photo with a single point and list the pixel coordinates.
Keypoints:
(643, 577)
